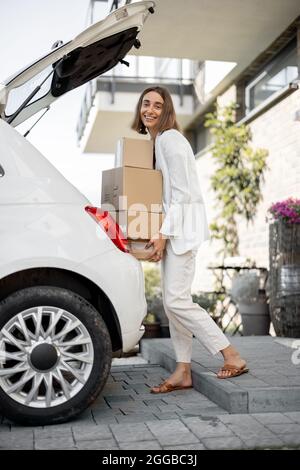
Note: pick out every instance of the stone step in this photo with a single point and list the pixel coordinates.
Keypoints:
(271, 385)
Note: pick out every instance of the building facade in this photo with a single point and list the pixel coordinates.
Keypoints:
(259, 43)
(268, 96)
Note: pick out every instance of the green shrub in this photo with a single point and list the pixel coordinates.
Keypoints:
(206, 300)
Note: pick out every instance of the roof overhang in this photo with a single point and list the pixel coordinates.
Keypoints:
(222, 30)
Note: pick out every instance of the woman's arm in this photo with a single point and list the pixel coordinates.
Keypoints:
(175, 151)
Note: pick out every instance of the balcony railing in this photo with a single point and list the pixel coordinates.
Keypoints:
(112, 83)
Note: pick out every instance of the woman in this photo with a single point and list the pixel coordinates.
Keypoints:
(183, 230)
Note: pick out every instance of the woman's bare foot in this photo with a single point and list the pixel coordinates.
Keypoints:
(231, 358)
(181, 377)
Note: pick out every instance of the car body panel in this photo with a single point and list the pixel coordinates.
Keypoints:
(44, 225)
(60, 271)
(93, 52)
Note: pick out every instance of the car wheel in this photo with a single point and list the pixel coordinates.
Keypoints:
(55, 355)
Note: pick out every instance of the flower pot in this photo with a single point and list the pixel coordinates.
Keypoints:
(285, 314)
(284, 278)
(152, 330)
(155, 305)
(255, 318)
(288, 237)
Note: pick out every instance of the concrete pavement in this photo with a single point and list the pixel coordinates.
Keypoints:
(126, 416)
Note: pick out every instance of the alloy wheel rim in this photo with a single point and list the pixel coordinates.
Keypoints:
(46, 356)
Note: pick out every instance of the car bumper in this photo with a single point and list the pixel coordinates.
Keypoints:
(121, 278)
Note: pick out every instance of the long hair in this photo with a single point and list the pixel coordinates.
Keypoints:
(167, 118)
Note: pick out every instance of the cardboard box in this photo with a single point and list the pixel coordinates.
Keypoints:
(139, 224)
(138, 249)
(135, 153)
(126, 186)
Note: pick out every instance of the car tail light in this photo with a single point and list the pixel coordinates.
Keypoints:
(110, 226)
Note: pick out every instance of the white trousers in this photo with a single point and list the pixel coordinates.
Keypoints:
(185, 317)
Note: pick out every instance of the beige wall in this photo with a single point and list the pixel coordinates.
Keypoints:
(278, 132)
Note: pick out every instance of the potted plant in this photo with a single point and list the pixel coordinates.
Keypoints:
(154, 297)
(252, 303)
(284, 252)
(236, 182)
(152, 326)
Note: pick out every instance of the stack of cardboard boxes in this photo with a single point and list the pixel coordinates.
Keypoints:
(132, 192)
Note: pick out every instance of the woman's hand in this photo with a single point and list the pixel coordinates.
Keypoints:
(159, 243)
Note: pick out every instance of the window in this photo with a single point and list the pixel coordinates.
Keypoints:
(274, 77)
(18, 95)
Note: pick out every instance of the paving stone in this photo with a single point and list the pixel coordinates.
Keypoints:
(250, 393)
(273, 399)
(250, 382)
(126, 400)
(50, 432)
(168, 415)
(154, 409)
(5, 428)
(172, 432)
(197, 446)
(99, 419)
(136, 418)
(119, 376)
(158, 402)
(11, 441)
(284, 428)
(293, 415)
(238, 419)
(113, 388)
(140, 388)
(55, 443)
(107, 444)
(131, 432)
(150, 397)
(211, 428)
(271, 418)
(138, 405)
(136, 376)
(91, 433)
(246, 427)
(201, 411)
(262, 442)
(187, 404)
(211, 411)
(291, 439)
(165, 408)
(135, 381)
(143, 445)
(252, 434)
(100, 404)
(226, 443)
(119, 398)
(283, 381)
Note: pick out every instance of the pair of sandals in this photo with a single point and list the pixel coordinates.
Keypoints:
(166, 387)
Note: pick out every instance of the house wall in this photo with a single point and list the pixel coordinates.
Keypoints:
(277, 131)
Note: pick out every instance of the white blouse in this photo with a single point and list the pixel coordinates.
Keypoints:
(185, 221)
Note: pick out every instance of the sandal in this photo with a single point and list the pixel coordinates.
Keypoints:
(166, 387)
(234, 371)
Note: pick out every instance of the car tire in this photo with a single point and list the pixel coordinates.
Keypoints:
(59, 346)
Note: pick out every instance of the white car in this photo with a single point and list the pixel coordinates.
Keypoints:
(70, 296)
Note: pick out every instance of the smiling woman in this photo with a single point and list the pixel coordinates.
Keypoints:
(183, 230)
